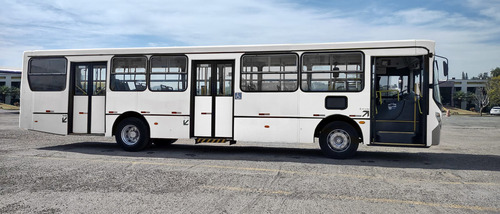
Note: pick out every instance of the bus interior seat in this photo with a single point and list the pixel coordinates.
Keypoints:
(120, 85)
(139, 86)
(393, 109)
(166, 88)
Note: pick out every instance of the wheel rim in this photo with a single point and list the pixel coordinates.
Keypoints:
(339, 140)
(130, 135)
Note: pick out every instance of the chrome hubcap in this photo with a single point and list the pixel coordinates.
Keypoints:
(130, 135)
(339, 140)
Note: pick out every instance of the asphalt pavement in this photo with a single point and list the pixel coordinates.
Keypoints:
(44, 173)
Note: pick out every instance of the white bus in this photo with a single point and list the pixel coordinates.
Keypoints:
(337, 94)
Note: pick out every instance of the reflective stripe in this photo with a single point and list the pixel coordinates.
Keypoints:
(210, 140)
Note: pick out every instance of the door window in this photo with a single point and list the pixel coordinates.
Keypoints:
(224, 80)
(99, 80)
(81, 80)
(203, 78)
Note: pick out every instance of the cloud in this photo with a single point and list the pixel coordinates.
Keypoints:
(488, 8)
(56, 24)
(420, 16)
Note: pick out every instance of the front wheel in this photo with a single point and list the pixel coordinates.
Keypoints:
(132, 134)
(339, 140)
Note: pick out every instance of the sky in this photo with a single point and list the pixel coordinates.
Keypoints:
(465, 31)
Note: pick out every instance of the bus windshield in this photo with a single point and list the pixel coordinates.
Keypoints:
(436, 71)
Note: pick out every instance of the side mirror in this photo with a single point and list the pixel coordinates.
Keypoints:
(445, 68)
(445, 65)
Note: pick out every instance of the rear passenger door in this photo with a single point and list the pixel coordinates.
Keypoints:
(88, 97)
(213, 98)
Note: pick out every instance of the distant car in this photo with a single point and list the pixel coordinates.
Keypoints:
(495, 110)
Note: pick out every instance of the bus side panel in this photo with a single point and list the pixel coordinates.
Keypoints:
(278, 110)
(50, 112)
(169, 126)
(269, 104)
(278, 130)
(110, 121)
(307, 127)
(25, 112)
(170, 109)
(121, 101)
(313, 104)
(118, 102)
(51, 123)
(164, 102)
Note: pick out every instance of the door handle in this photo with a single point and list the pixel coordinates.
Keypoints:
(206, 112)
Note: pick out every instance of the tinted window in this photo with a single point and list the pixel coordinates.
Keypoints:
(336, 102)
(47, 74)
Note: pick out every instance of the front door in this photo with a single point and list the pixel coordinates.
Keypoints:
(88, 98)
(213, 99)
(399, 86)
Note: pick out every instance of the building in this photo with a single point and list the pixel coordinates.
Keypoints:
(450, 87)
(10, 78)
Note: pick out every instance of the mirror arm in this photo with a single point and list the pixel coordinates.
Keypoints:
(445, 66)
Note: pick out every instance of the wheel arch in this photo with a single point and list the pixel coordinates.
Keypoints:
(129, 114)
(338, 117)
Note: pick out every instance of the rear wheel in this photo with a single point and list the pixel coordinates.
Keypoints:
(132, 134)
(339, 140)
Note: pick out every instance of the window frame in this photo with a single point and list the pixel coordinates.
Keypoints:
(149, 71)
(65, 74)
(267, 54)
(112, 72)
(363, 71)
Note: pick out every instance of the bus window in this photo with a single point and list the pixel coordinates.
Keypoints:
(332, 71)
(128, 74)
(276, 72)
(47, 74)
(168, 73)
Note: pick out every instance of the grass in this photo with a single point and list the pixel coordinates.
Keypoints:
(8, 107)
(457, 111)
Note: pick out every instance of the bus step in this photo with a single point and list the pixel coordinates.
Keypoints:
(397, 144)
(395, 137)
(213, 140)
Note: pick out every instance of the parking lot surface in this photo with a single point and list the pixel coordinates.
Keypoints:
(44, 173)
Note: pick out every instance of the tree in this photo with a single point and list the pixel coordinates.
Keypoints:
(481, 99)
(14, 93)
(460, 96)
(495, 72)
(4, 91)
(493, 86)
(493, 89)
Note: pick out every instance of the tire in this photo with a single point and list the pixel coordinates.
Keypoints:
(132, 134)
(163, 142)
(339, 140)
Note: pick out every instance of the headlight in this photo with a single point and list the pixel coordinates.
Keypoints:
(438, 117)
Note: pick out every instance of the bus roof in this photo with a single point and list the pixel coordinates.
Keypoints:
(429, 44)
